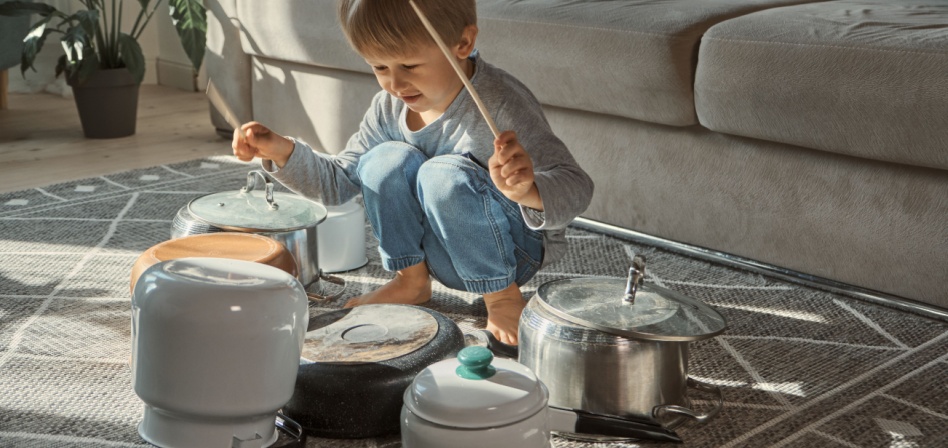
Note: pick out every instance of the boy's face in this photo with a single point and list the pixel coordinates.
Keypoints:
(424, 79)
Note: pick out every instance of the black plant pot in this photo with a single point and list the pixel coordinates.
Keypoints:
(107, 102)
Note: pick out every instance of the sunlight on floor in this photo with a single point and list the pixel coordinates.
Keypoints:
(792, 314)
(793, 388)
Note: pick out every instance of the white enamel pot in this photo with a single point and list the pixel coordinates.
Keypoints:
(476, 401)
(215, 348)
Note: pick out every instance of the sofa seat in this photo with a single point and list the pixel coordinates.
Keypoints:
(867, 78)
(632, 59)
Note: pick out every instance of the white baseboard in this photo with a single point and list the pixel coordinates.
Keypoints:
(176, 75)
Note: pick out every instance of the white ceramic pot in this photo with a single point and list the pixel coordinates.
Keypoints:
(476, 401)
(215, 350)
(341, 238)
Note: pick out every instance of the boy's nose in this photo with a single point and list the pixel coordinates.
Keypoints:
(397, 83)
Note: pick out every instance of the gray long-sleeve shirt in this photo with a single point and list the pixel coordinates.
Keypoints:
(564, 187)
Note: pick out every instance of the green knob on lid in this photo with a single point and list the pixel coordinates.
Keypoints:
(475, 363)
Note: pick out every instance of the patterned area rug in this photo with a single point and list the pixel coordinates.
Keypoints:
(798, 367)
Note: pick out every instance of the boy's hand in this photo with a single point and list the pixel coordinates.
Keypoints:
(512, 171)
(256, 140)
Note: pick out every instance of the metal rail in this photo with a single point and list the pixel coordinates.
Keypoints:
(813, 281)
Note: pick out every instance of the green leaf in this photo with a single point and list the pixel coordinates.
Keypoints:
(32, 44)
(75, 43)
(131, 55)
(61, 65)
(89, 21)
(88, 65)
(25, 9)
(190, 20)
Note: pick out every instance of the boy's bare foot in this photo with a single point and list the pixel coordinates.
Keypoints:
(503, 313)
(411, 286)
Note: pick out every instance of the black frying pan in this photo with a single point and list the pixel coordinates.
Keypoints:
(363, 398)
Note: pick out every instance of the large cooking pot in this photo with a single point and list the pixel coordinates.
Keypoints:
(626, 343)
(288, 218)
(357, 362)
(215, 346)
(477, 401)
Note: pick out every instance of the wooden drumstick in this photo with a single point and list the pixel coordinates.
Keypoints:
(457, 68)
(218, 101)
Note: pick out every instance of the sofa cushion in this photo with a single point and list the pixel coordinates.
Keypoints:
(867, 78)
(630, 58)
(12, 31)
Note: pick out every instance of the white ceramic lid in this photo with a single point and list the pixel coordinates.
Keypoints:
(475, 390)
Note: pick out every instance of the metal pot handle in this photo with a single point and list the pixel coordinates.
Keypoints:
(268, 187)
(292, 429)
(316, 297)
(661, 410)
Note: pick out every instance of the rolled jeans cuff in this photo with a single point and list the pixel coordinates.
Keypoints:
(397, 264)
(487, 286)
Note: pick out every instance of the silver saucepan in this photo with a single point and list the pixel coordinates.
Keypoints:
(288, 218)
(626, 344)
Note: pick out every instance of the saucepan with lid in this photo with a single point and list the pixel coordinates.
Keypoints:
(476, 400)
(286, 217)
(626, 342)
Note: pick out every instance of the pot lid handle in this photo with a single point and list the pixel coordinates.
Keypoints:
(475, 363)
(268, 187)
(636, 276)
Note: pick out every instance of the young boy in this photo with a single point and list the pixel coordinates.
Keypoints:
(442, 200)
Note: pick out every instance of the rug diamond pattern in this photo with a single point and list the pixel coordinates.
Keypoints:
(797, 367)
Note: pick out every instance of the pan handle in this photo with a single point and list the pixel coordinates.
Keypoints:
(292, 429)
(661, 410)
(315, 297)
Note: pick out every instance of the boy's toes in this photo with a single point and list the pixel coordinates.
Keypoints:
(353, 302)
(501, 335)
(508, 338)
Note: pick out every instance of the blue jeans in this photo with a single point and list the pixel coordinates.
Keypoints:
(446, 210)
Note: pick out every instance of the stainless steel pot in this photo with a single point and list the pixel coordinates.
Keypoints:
(288, 218)
(626, 344)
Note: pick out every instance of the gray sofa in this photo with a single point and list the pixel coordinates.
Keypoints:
(808, 135)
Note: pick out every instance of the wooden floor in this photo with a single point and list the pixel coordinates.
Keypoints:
(41, 140)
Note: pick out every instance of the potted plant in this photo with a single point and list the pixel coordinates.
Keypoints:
(102, 61)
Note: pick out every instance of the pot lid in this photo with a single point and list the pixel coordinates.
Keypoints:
(248, 210)
(475, 390)
(631, 308)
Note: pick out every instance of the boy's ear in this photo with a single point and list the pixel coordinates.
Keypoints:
(466, 43)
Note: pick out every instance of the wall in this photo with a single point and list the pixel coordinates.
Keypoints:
(173, 68)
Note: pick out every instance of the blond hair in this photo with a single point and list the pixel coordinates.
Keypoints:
(391, 27)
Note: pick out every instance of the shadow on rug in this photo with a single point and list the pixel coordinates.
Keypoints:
(798, 367)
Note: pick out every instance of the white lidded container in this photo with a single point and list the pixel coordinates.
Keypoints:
(215, 350)
(341, 238)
